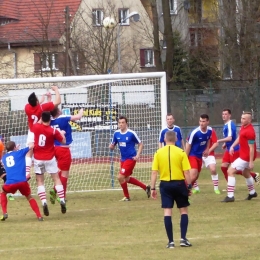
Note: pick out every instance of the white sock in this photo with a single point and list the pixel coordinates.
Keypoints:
(60, 192)
(196, 186)
(231, 186)
(215, 181)
(42, 194)
(250, 185)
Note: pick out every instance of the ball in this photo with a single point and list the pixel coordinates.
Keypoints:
(109, 23)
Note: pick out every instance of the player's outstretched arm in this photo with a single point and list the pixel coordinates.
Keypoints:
(57, 96)
(78, 116)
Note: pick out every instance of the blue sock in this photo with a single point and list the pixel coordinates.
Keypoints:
(168, 227)
(184, 225)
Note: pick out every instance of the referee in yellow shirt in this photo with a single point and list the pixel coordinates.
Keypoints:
(173, 166)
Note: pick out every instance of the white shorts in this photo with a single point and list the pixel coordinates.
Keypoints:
(209, 160)
(50, 166)
(240, 164)
(30, 138)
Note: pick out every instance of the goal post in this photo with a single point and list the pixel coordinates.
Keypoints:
(141, 97)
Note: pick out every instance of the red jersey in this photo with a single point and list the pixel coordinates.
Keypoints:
(34, 113)
(213, 139)
(246, 133)
(44, 137)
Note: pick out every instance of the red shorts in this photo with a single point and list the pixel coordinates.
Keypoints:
(63, 156)
(227, 158)
(23, 187)
(127, 167)
(195, 163)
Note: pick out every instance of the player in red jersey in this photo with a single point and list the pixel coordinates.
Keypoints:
(44, 159)
(245, 162)
(210, 163)
(33, 110)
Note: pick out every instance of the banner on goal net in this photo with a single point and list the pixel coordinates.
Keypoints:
(141, 97)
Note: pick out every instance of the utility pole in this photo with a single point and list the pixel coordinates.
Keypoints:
(67, 40)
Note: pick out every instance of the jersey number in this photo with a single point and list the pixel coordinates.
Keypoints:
(42, 140)
(10, 161)
(35, 119)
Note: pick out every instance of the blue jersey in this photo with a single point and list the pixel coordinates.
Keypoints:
(230, 129)
(175, 129)
(62, 123)
(126, 143)
(14, 164)
(198, 141)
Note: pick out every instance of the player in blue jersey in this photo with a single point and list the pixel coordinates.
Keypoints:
(171, 127)
(62, 151)
(197, 145)
(14, 163)
(230, 135)
(126, 140)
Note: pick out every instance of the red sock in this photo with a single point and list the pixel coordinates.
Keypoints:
(224, 170)
(4, 202)
(64, 181)
(134, 181)
(125, 189)
(35, 207)
(253, 174)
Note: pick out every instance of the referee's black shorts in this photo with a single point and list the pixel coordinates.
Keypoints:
(174, 191)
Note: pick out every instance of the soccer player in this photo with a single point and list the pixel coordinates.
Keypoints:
(198, 145)
(245, 161)
(14, 163)
(44, 159)
(2, 169)
(33, 110)
(173, 165)
(126, 140)
(171, 127)
(62, 151)
(210, 163)
(230, 135)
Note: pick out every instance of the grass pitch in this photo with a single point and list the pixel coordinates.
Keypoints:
(98, 226)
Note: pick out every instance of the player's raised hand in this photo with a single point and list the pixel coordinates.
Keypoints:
(54, 88)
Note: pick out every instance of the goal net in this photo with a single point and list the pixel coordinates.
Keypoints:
(141, 97)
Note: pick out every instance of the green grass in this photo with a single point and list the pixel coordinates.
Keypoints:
(98, 226)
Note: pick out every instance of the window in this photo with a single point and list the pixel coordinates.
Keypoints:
(173, 6)
(196, 38)
(147, 58)
(227, 72)
(122, 14)
(49, 61)
(97, 17)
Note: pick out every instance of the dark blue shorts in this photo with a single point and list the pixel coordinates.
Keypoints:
(174, 191)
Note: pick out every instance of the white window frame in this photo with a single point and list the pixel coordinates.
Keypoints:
(98, 17)
(149, 55)
(123, 13)
(45, 63)
(173, 6)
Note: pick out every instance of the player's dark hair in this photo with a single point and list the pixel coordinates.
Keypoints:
(46, 116)
(32, 100)
(204, 116)
(55, 112)
(122, 117)
(10, 146)
(170, 136)
(170, 114)
(227, 109)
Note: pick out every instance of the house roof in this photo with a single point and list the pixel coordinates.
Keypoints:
(26, 22)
